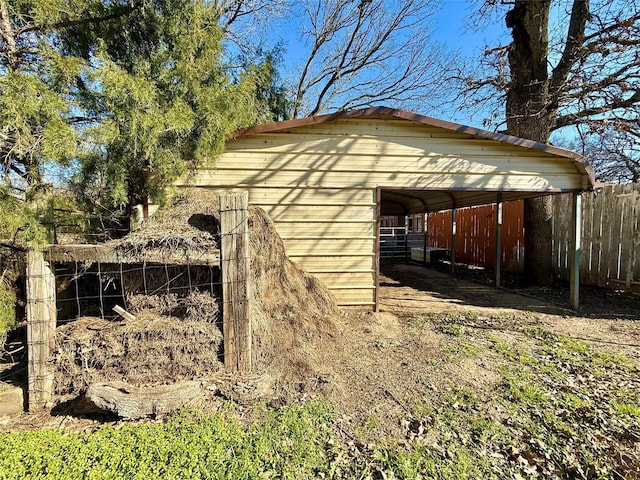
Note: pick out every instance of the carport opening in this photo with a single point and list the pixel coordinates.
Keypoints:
(422, 228)
(403, 227)
(436, 230)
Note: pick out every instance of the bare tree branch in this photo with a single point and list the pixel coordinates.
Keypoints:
(594, 67)
(574, 45)
(364, 52)
(581, 116)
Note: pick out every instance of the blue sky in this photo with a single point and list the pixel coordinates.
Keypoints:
(451, 29)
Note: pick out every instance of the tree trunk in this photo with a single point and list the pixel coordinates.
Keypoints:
(530, 115)
(538, 264)
(132, 403)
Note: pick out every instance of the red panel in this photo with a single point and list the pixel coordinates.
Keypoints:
(476, 234)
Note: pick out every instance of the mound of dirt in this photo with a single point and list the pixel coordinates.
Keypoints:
(176, 334)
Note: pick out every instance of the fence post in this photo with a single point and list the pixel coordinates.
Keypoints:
(234, 265)
(498, 265)
(41, 327)
(376, 299)
(424, 239)
(574, 250)
(454, 214)
(406, 238)
(634, 238)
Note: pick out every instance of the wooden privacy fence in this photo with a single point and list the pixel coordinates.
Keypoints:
(610, 255)
(232, 259)
(476, 235)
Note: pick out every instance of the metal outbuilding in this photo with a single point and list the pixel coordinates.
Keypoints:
(326, 180)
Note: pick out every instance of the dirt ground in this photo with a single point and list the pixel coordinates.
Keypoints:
(385, 363)
(605, 317)
(379, 367)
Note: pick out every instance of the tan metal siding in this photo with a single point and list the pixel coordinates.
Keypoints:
(372, 179)
(318, 183)
(269, 162)
(373, 145)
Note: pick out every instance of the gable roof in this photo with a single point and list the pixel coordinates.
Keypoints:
(425, 120)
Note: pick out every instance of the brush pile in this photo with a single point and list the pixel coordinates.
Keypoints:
(176, 335)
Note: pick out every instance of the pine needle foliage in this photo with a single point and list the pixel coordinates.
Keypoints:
(125, 95)
(19, 226)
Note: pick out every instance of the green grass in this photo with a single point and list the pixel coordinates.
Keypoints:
(288, 443)
(560, 408)
(462, 349)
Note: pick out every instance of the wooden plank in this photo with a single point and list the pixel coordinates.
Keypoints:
(123, 313)
(476, 236)
(454, 244)
(498, 237)
(559, 217)
(563, 225)
(41, 325)
(105, 253)
(615, 228)
(596, 250)
(576, 236)
(554, 235)
(608, 215)
(376, 279)
(587, 237)
(513, 235)
(617, 234)
(636, 236)
(629, 202)
(236, 315)
(439, 229)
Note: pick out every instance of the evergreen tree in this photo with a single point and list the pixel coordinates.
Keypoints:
(127, 94)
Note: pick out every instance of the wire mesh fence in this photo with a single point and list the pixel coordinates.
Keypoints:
(95, 288)
(171, 288)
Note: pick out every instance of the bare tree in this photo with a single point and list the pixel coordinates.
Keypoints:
(580, 71)
(240, 19)
(363, 52)
(615, 156)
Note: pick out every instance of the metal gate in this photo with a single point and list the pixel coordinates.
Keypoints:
(397, 242)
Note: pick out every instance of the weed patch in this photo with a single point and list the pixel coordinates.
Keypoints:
(288, 443)
(574, 407)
